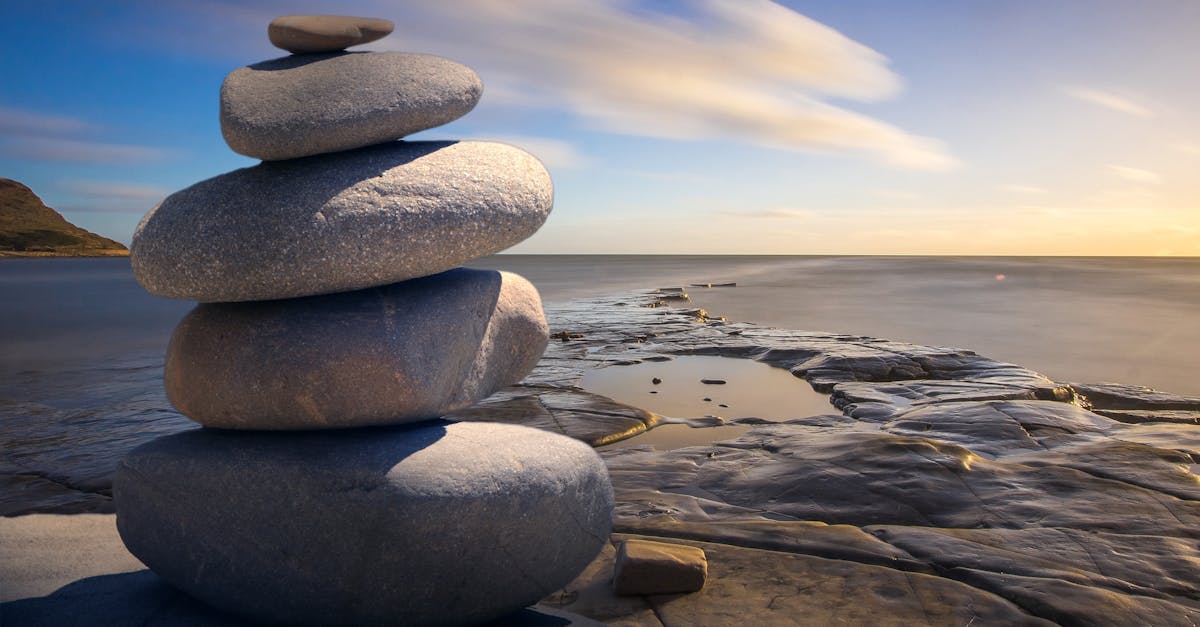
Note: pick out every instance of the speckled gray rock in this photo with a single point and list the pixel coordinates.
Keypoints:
(340, 222)
(305, 105)
(400, 353)
(325, 33)
(441, 523)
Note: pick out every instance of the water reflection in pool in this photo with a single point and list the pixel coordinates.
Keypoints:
(750, 390)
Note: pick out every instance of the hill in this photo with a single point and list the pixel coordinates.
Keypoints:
(28, 228)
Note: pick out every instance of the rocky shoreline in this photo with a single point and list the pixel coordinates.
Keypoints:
(941, 488)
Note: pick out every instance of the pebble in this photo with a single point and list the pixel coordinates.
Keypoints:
(645, 567)
(325, 33)
(305, 105)
(404, 352)
(439, 523)
(340, 222)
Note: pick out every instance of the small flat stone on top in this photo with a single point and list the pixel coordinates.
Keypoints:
(325, 33)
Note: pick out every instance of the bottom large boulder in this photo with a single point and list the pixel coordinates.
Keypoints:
(436, 523)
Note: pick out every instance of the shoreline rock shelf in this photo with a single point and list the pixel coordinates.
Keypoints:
(333, 315)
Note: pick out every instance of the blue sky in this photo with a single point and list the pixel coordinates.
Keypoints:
(710, 126)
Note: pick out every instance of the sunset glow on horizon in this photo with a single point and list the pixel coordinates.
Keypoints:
(672, 127)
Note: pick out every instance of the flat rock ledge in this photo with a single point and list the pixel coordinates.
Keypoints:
(942, 488)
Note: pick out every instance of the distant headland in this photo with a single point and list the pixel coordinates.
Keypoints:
(28, 228)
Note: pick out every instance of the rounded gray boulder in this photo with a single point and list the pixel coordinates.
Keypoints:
(305, 105)
(435, 524)
(399, 353)
(340, 222)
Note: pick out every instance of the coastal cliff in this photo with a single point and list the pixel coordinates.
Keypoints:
(28, 228)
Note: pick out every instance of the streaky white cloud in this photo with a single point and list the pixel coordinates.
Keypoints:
(1108, 100)
(1023, 189)
(1137, 175)
(21, 122)
(78, 151)
(777, 213)
(116, 190)
(745, 71)
(1188, 149)
(553, 153)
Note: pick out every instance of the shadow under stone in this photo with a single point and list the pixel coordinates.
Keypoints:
(143, 598)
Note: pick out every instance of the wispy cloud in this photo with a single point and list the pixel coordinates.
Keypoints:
(780, 213)
(1022, 189)
(553, 153)
(1137, 175)
(78, 151)
(116, 190)
(1108, 100)
(18, 122)
(1188, 149)
(747, 71)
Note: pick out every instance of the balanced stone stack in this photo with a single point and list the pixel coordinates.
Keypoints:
(334, 329)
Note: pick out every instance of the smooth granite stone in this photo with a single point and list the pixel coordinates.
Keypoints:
(441, 523)
(325, 33)
(306, 105)
(404, 352)
(340, 222)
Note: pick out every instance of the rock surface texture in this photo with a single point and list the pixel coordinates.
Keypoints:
(340, 222)
(356, 358)
(305, 105)
(325, 33)
(948, 488)
(645, 567)
(439, 523)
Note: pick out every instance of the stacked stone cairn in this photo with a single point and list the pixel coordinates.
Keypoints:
(335, 328)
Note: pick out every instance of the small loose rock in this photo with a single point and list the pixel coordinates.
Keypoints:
(713, 381)
(644, 567)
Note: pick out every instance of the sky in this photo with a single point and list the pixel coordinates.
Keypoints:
(989, 127)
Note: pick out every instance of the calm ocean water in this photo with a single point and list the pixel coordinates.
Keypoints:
(1074, 319)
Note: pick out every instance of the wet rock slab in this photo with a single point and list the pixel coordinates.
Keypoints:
(941, 487)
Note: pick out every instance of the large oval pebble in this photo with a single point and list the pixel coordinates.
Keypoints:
(399, 353)
(305, 105)
(340, 222)
(436, 524)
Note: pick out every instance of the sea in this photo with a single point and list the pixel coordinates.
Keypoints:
(64, 322)
(82, 345)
